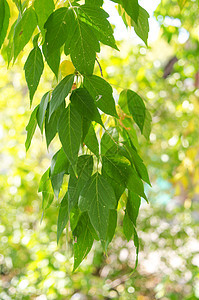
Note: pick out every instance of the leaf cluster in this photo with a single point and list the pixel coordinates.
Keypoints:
(101, 160)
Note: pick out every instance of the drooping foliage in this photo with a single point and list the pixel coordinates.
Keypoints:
(98, 150)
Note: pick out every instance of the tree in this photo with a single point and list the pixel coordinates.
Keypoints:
(98, 139)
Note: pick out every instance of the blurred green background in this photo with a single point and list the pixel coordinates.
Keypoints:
(166, 75)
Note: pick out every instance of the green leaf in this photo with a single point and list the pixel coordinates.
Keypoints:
(75, 214)
(138, 163)
(141, 27)
(136, 107)
(128, 227)
(136, 243)
(102, 93)
(9, 48)
(59, 167)
(42, 110)
(46, 188)
(85, 127)
(129, 132)
(83, 240)
(94, 2)
(62, 217)
(133, 206)
(33, 67)
(56, 29)
(109, 141)
(59, 163)
(97, 18)
(30, 128)
(123, 102)
(69, 129)
(60, 93)
(84, 45)
(91, 141)
(71, 28)
(97, 198)
(119, 169)
(52, 59)
(51, 126)
(57, 181)
(85, 105)
(118, 189)
(35, 40)
(4, 20)
(132, 8)
(112, 223)
(80, 42)
(24, 30)
(75, 184)
(43, 9)
(147, 125)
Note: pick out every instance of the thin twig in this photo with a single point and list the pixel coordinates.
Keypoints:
(99, 67)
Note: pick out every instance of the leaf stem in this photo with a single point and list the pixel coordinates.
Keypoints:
(99, 67)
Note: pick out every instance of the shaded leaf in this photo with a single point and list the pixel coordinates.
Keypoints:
(69, 129)
(23, 30)
(43, 9)
(141, 27)
(112, 223)
(85, 105)
(33, 67)
(94, 2)
(83, 240)
(45, 188)
(102, 93)
(109, 141)
(30, 128)
(4, 20)
(136, 243)
(56, 29)
(91, 141)
(123, 102)
(75, 184)
(97, 198)
(97, 18)
(120, 170)
(9, 48)
(84, 45)
(129, 133)
(52, 59)
(85, 127)
(132, 8)
(42, 110)
(136, 106)
(51, 126)
(62, 217)
(118, 188)
(128, 227)
(138, 163)
(59, 167)
(59, 163)
(147, 125)
(133, 206)
(60, 93)
(75, 214)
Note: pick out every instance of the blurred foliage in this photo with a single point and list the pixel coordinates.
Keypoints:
(32, 266)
